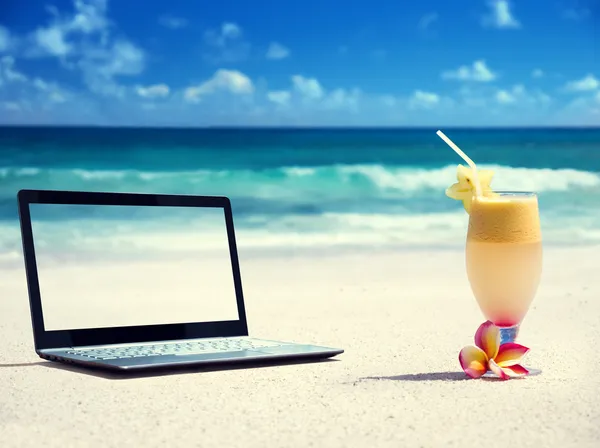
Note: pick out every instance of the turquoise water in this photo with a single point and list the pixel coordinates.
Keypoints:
(311, 188)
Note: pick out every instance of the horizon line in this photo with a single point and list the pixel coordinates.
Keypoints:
(301, 127)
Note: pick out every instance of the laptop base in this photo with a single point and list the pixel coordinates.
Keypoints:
(281, 351)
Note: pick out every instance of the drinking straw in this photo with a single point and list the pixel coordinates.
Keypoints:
(465, 158)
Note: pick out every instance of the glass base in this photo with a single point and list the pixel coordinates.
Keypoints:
(509, 334)
(532, 372)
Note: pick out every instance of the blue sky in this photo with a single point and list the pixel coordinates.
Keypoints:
(315, 62)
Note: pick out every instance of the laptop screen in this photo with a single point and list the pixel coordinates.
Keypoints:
(105, 266)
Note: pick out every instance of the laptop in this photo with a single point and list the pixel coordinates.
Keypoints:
(131, 281)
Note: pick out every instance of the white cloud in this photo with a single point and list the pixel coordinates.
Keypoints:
(89, 17)
(226, 33)
(5, 39)
(583, 107)
(479, 72)
(123, 58)
(52, 41)
(20, 87)
(230, 30)
(537, 73)
(41, 84)
(100, 66)
(504, 97)
(226, 44)
(153, 91)
(277, 51)
(57, 97)
(587, 83)
(309, 88)
(8, 73)
(587, 102)
(342, 99)
(489, 98)
(313, 96)
(428, 20)
(52, 92)
(84, 40)
(426, 100)
(192, 94)
(173, 22)
(518, 94)
(280, 97)
(501, 15)
(231, 81)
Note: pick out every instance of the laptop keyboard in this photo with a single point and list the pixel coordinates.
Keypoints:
(175, 348)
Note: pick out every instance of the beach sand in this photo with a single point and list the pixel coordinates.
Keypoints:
(401, 317)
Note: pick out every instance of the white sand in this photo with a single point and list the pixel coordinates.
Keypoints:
(402, 319)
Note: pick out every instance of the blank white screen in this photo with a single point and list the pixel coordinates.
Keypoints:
(113, 266)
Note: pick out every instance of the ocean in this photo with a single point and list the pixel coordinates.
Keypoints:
(306, 188)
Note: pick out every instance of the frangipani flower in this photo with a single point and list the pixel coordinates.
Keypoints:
(464, 189)
(488, 354)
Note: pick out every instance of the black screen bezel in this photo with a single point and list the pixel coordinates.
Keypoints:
(120, 335)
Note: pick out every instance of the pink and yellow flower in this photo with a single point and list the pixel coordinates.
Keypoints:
(489, 354)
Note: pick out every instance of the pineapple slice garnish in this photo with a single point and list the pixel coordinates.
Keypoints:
(464, 189)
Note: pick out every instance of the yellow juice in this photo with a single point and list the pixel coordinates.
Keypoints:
(504, 255)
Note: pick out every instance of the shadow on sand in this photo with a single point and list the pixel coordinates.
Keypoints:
(22, 364)
(434, 376)
(165, 371)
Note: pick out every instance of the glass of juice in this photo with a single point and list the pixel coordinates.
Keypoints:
(504, 257)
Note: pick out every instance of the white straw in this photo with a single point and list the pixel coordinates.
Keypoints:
(465, 158)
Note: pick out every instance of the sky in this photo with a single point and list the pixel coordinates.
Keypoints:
(292, 63)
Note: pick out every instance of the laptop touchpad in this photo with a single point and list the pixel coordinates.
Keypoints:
(295, 349)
